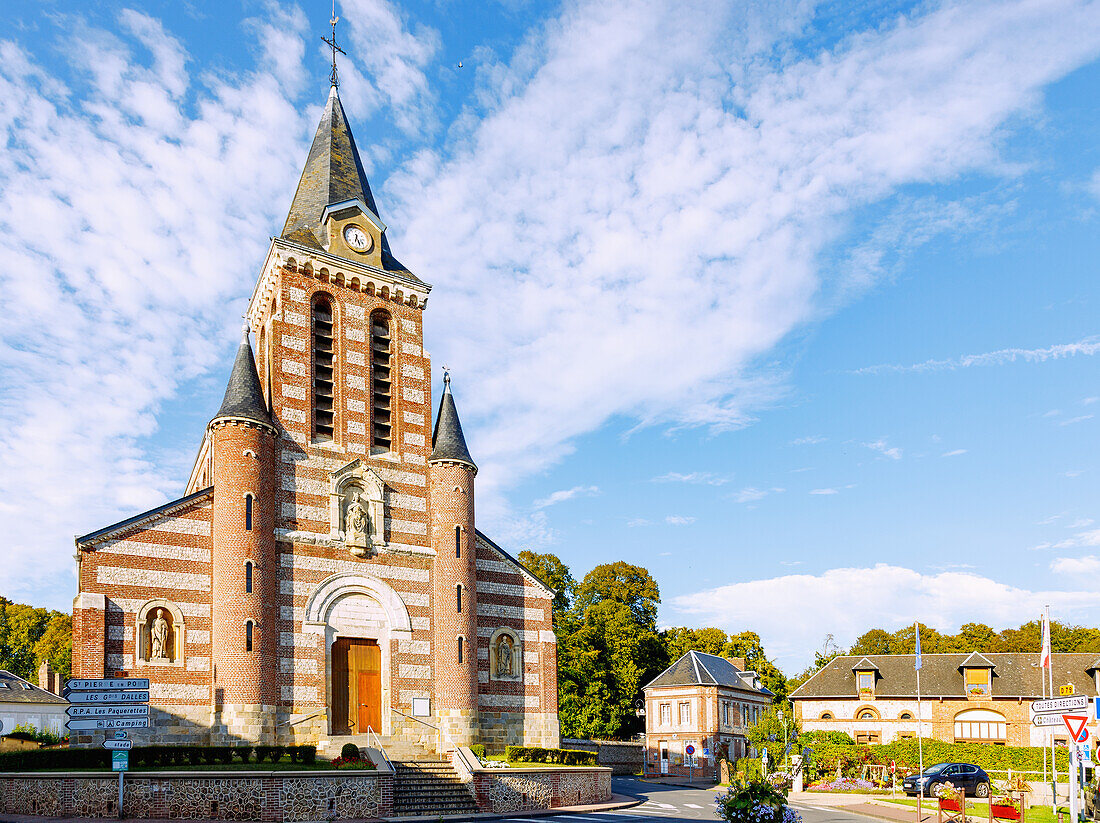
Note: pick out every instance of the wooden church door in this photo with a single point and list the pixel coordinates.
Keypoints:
(357, 686)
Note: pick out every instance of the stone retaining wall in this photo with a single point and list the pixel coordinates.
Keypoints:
(514, 790)
(622, 757)
(272, 797)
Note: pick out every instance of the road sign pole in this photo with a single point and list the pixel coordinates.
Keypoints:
(120, 776)
(1073, 782)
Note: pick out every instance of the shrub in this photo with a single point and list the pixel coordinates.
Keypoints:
(35, 759)
(243, 752)
(308, 754)
(349, 752)
(263, 753)
(837, 738)
(479, 750)
(537, 754)
(749, 769)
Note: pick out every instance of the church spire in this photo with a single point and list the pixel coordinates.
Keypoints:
(244, 398)
(448, 443)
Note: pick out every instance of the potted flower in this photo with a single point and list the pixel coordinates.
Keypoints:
(1005, 807)
(950, 798)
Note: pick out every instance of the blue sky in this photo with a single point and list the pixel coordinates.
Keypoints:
(793, 304)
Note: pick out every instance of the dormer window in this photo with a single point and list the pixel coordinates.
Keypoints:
(865, 684)
(978, 683)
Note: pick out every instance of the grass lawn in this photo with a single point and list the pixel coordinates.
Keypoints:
(976, 808)
(517, 764)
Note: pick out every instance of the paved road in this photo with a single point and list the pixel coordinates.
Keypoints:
(677, 803)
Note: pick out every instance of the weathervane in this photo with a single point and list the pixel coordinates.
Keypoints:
(447, 376)
(332, 43)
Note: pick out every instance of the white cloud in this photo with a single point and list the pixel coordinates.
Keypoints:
(637, 522)
(824, 491)
(1094, 184)
(751, 495)
(562, 495)
(886, 450)
(1087, 347)
(679, 520)
(1080, 523)
(812, 440)
(708, 478)
(1081, 418)
(1078, 568)
(1088, 401)
(953, 453)
(1088, 538)
(1073, 473)
(847, 601)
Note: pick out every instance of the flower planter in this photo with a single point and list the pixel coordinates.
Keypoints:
(1005, 812)
(950, 805)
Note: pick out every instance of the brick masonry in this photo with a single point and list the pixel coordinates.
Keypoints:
(191, 556)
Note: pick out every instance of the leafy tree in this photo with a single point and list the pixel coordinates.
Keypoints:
(874, 641)
(624, 583)
(56, 644)
(554, 573)
(768, 733)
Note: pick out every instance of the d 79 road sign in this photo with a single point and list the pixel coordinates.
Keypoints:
(141, 710)
(102, 723)
(90, 685)
(109, 697)
(1060, 705)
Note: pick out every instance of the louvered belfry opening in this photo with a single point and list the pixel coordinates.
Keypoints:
(381, 347)
(323, 392)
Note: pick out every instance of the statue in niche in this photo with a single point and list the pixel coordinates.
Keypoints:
(357, 527)
(504, 656)
(159, 632)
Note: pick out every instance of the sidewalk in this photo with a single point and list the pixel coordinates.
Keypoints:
(676, 780)
(863, 805)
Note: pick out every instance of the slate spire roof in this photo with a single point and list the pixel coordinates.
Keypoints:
(333, 174)
(448, 443)
(244, 397)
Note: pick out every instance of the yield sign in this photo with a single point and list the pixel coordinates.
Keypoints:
(1076, 725)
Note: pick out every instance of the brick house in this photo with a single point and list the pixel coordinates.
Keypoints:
(975, 698)
(322, 574)
(703, 701)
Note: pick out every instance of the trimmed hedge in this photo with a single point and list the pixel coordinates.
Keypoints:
(479, 750)
(852, 758)
(537, 754)
(153, 757)
(750, 766)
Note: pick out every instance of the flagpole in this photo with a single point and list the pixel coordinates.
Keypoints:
(1048, 661)
(920, 723)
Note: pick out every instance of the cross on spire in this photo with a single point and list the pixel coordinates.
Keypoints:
(332, 43)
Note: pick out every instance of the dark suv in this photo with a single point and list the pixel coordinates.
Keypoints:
(971, 779)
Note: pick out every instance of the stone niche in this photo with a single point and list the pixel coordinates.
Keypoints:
(159, 632)
(357, 509)
(506, 656)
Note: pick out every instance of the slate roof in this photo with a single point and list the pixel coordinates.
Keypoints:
(333, 174)
(865, 665)
(1014, 675)
(701, 669)
(448, 442)
(139, 520)
(244, 397)
(14, 689)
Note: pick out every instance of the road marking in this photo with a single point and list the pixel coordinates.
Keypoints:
(692, 806)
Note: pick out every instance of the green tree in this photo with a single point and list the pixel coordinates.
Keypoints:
(770, 733)
(873, 641)
(624, 583)
(554, 573)
(26, 625)
(56, 645)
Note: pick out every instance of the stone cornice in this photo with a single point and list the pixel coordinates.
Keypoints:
(138, 521)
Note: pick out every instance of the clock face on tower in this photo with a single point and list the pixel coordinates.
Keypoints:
(357, 238)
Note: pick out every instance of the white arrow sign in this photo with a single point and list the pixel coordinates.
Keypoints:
(1047, 720)
(108, 711)
(118, 744)
(99, 724)
(87, 685)
(109, 697)
(1060, 705)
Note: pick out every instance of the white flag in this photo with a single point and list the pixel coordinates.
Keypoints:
(1044, 655)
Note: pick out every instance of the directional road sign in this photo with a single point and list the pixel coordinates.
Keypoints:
(1060, 705)
(1076, 725)
(119, 745)
(88, 685)
(101, 723)
(1047, 720)
(109, 697)
(141, 710)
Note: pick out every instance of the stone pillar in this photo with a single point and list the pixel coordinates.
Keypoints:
(90, 635)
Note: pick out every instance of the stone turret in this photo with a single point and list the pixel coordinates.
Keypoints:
(451, 473)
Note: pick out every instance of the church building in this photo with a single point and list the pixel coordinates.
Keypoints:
(322, 578)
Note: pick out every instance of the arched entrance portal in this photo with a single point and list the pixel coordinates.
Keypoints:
(359, 617)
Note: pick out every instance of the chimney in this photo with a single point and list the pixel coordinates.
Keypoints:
(46, 677)
(738, 663)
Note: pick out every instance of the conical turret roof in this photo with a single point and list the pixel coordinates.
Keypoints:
(448, 442)
(333, 174)
(244, 397)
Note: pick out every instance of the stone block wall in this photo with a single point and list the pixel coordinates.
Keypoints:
(622, 757)
(272, 797)
(516, 790)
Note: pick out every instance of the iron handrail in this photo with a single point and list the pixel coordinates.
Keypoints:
(381, 749)
(442, 733)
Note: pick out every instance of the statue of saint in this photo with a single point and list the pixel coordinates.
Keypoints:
(356, 525)
(504, 656)
(158, 636)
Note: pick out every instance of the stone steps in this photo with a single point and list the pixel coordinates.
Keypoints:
(429, 787)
